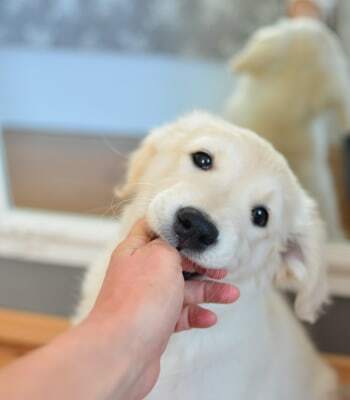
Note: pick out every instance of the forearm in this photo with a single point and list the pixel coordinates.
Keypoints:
(92, 361)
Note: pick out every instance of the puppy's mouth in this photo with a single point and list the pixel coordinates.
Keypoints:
(192, 270)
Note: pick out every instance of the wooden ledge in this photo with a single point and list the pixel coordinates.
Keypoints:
(21, 332)
(29, 331)
(342, 366)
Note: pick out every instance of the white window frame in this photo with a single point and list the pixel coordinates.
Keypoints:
(90, 93)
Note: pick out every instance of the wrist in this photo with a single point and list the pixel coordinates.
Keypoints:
(114, 354)
(130, 322)
(89, 361)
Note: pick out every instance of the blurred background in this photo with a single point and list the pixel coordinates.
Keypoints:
(105, 72)
(81, 83)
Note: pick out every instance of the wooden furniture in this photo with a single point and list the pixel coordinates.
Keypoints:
(342, 365)
(23, 332)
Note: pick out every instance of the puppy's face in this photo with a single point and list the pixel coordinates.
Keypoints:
(223, 197)
(221, 202)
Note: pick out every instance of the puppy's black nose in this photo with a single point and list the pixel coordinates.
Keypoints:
(194, 229)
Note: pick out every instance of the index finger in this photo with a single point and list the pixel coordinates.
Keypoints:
(197, 292)
(139, 236)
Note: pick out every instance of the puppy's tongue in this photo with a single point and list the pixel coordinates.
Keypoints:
(190, 266)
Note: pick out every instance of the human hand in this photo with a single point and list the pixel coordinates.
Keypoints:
(304, 8)
(145, 295)
(115, 352)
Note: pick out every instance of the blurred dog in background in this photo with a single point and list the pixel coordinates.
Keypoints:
(294, 91)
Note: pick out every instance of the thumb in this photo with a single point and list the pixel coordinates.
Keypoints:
(138, 237)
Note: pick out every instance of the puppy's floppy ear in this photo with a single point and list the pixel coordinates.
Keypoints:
(136, 167)
(260, 53)
(304, 259)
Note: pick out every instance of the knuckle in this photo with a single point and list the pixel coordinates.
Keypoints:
(164, 250)
(114, 256)
(213, 292)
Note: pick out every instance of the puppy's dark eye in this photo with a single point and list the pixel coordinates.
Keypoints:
(202, 160)
(260, 216)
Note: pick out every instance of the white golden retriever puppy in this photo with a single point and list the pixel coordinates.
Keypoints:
(294, 76)
(226, 199)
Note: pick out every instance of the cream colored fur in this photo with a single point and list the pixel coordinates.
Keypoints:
(294, 91)
(257, 350)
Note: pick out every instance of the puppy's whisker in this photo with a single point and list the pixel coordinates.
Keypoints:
(159, 183)
(113, 149)
(120, 203)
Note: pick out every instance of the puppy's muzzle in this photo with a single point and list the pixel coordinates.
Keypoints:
(194, 230)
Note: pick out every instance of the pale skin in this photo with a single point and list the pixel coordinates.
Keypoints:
(115, 352)
(304, 8)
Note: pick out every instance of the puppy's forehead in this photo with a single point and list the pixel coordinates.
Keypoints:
(201, 131)
(198, 125)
